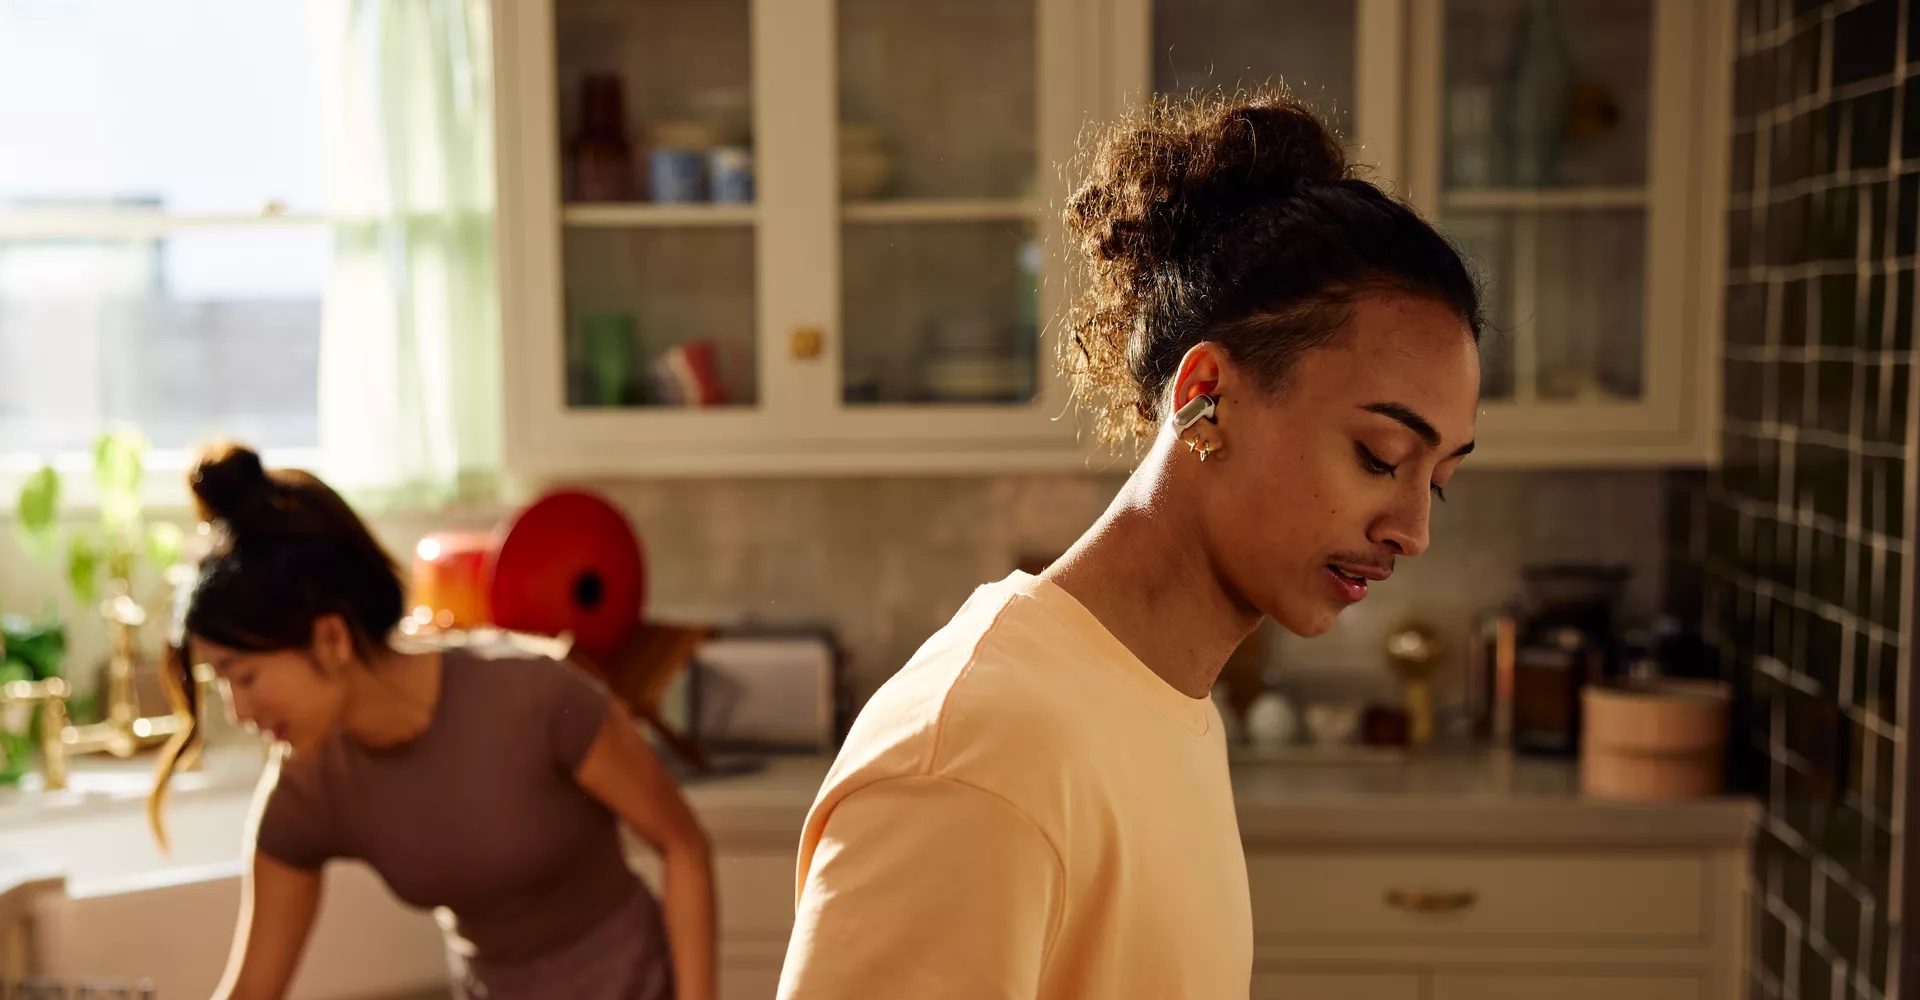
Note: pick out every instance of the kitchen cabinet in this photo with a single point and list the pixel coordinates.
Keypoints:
(1594, 220)
(1334, 986)
(1441, 879)
(1470, 986)
(880, 296)
(1398, 923)
(1660, 923)
(871, 302)
(1576, 150)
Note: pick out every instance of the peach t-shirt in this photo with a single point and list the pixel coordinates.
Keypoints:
(1024, 810)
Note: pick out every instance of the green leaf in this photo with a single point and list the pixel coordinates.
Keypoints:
(83, 565)
(165, 542)
(40, 645)
(118, 461)
(39, 505)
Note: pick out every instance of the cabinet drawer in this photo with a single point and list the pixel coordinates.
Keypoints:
(1454, 986)
(1335, 986)
(1604, 897)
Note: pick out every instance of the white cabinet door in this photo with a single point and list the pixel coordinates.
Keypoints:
(1335, 986)
(1498, 986)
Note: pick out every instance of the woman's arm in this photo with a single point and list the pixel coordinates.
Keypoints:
(620, 770)
(277, 904)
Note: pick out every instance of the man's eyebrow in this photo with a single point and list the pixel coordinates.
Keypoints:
(1415, 423)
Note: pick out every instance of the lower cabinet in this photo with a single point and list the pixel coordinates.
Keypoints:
(1401, 924)
(1471, 986)
(1510, 924)
(1335, 986)
(1467, 986)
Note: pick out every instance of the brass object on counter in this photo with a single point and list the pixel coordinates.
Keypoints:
(51, 696)
(1413, 652)
(124, 732)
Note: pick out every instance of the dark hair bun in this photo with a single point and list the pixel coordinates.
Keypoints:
(1166, 179)
(233, 487)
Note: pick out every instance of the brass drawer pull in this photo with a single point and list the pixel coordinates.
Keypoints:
(1432, 902)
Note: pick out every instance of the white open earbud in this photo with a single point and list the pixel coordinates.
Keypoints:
(1197, 409)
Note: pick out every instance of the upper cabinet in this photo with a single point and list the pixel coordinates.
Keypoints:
(821, 236)
(1574, 149)
(784, 236)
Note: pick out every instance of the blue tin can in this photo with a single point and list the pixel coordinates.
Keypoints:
(676, 176)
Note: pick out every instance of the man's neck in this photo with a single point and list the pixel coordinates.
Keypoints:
(1142, 571)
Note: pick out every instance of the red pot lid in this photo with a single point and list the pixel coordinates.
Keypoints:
(569, 562)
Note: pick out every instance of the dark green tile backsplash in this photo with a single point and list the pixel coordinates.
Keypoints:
(1792, 553)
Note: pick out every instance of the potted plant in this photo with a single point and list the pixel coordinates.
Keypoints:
(103, 559)
(29, 651)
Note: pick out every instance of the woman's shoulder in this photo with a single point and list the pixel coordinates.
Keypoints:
(506, 683)
(514, 669)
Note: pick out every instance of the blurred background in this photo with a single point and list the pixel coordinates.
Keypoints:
(780, 281)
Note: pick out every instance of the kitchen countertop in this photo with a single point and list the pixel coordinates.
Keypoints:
(1478, 799)
(1460, 800)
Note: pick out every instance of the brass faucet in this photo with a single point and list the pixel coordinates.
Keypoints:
(124, 732)
(51, 696)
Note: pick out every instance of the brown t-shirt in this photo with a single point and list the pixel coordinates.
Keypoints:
(479, 816)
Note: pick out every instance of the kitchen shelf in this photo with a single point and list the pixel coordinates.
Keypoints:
(942, 210)
(646, 215)
(1542, 199)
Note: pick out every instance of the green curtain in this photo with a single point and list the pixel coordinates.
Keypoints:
(410, 335)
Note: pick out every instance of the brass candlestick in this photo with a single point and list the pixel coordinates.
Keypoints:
(1413, 653)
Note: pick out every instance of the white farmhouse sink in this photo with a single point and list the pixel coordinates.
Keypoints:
(132, 912)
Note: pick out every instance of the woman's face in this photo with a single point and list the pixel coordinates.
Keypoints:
(1319, 487)
(287, 695)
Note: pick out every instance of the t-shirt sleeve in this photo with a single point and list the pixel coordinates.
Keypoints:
(296, 821)
(928, 887)
(577, 706)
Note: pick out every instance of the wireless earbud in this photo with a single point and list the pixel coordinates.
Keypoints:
(1198, 408)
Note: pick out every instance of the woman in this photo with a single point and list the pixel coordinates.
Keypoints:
(1038, 805)
(490, 788)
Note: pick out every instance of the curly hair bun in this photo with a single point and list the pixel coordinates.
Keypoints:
(1167, 221)
(232, 487)
(1165, 178)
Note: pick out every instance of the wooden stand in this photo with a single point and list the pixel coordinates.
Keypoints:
(640, 673)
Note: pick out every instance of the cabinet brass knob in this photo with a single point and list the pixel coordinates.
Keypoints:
(1432, 902)
(807, 342)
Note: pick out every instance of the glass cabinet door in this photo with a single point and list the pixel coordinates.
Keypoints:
(1236, 44)
(657, 185)
(938, 154)
(1544, 179)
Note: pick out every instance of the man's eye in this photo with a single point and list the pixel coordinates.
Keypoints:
(1371, 462)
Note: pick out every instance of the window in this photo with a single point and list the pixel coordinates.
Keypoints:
(163, 237)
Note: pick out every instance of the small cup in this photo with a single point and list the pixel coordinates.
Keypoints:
(730, 175)
(1332, 724)
(676, 176)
